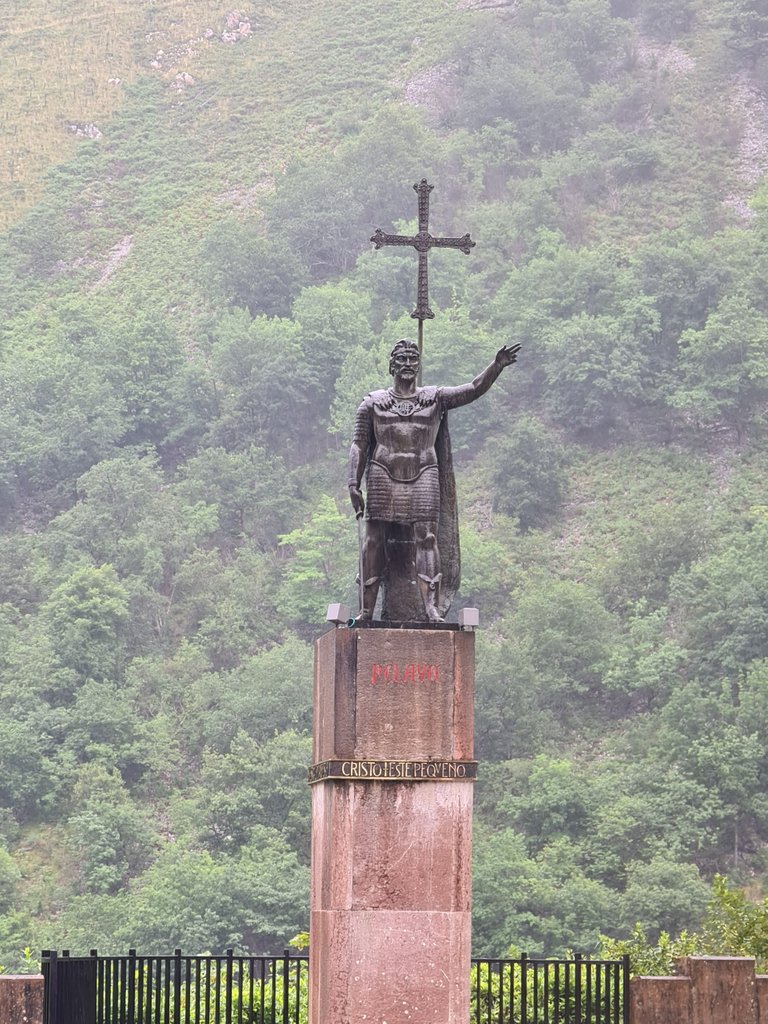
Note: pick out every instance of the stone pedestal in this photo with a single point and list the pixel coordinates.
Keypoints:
(392, 826)
(21, 999)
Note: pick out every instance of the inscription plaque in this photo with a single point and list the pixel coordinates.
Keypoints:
(394, 771)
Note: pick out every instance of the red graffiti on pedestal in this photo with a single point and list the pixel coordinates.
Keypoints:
(413, 672)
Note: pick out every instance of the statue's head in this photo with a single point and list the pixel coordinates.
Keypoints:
(404, 356)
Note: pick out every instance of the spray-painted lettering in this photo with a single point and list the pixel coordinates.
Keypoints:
(412, 673)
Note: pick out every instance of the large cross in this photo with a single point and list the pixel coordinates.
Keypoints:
(422, 243)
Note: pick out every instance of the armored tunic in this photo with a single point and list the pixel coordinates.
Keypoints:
(400, 435)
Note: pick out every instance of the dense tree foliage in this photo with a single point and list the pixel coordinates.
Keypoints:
(188, 318)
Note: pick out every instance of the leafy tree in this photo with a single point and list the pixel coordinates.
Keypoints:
(512, 718)
(733, 925)
(109, 837)
(263, 381)
(663, 896)
(321, 563)
(595, 368)
(721, 604)
(505, 75)
(10, 876)
(266, 694)
(553, 803)
(333, 320)
(246, 267)
(724, 367)
(144, 360)
(362, 371)
(650, 663)
(189, 900)
(62, 410)
(668, 21)
(251, 491)
(528, 478)
(499, 915)
(228, 608)
(103, 723)
(566, 633)
(257, 784)
(586, 31)
(748, 22)
(26, 769)
(87, 614)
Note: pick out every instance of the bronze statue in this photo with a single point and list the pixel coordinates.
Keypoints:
(402, 446)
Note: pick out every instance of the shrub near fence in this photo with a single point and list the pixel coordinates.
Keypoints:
(233, 989)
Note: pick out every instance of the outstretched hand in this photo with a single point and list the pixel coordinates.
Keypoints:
(507, 355)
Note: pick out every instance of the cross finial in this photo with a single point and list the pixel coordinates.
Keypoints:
(422, 243)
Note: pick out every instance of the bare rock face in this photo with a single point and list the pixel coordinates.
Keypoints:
(85, 130)
(749, 105)
(486, 5)
(114, 258)
(238, 27)
(434, 89)
(181, 81)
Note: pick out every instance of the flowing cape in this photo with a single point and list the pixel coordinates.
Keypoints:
(448, 525)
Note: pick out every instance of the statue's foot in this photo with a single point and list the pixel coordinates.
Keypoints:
(434, 616)
(363, 616)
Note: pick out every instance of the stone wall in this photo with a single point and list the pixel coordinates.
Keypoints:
(21, 999)
(705, 990)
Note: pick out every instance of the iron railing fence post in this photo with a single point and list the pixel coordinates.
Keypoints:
(286, 987)
(131, 983)
(501, 990)
(176, 986)
(51, 985)
(625, 986)
(97, 968)
(240, 989)
(228, 990)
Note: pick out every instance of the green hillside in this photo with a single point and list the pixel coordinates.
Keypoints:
(190, 312)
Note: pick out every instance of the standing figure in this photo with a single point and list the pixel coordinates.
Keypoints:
(401, 444)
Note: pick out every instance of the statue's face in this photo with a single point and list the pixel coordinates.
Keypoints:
(405, 363)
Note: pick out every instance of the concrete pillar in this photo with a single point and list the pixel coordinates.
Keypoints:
(761, 995)
(392, 779)
(656, 1000)
(21, 999)
(723, 989)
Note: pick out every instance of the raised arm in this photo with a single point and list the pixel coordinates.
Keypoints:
(358, 456)
(466, 393)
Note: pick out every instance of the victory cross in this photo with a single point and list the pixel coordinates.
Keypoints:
(401, 448)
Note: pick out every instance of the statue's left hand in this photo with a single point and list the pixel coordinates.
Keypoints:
(507, 355)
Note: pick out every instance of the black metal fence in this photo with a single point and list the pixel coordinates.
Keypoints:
(541, 991)
(233, 989)
(175, 989)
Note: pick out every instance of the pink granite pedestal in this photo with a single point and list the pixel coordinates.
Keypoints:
(392, 827)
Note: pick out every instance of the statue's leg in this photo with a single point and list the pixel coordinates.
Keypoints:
(428, 568)
(373, 565)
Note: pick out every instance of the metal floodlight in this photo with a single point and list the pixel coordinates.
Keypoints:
(338, 614)
(469, 618)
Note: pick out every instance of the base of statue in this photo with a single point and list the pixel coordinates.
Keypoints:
(390, 919)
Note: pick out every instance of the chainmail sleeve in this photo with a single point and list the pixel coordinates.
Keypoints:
(361, 441)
